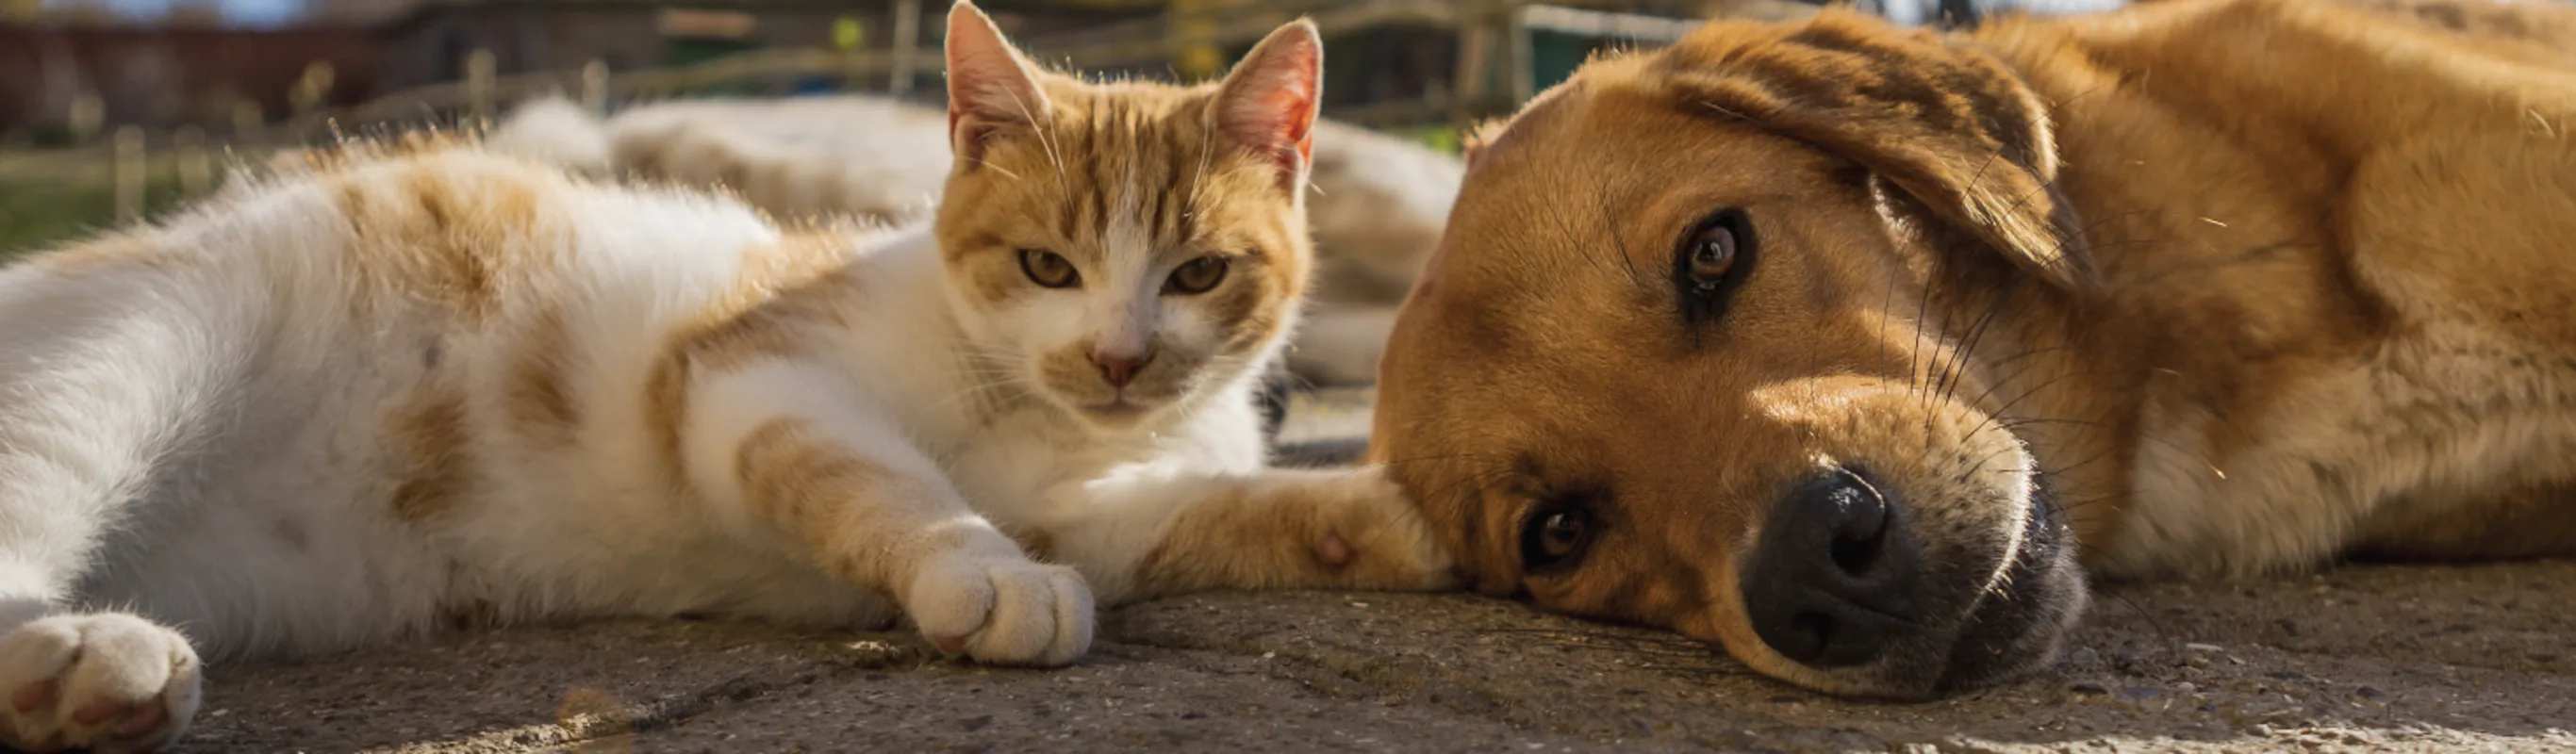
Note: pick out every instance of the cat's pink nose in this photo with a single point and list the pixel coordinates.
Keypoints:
(1120, 368)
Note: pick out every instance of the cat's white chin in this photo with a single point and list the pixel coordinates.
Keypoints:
(1117, 414)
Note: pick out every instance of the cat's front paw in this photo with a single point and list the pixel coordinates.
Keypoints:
(105, 682)
(1369, 535)
(1005, 610)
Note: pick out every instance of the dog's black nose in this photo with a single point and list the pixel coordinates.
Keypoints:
(1831, 581)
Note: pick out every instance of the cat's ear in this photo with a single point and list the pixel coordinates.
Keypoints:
(991, 88)
(1267, 103)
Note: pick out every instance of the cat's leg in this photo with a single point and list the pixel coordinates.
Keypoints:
(781, 449)
(99, 386)
(1154, 530)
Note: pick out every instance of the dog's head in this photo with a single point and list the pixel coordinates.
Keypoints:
(1682, 358)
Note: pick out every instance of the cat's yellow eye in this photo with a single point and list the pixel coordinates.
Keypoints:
(1197, 276)
(1049, 269)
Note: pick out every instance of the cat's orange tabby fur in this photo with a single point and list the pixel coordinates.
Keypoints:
(405, 388)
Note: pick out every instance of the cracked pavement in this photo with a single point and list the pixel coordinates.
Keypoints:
(2376, 658)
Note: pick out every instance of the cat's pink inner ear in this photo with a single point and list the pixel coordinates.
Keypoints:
(1268, 102)
(989, 87)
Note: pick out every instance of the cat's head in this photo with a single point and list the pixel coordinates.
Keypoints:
(1116, 247)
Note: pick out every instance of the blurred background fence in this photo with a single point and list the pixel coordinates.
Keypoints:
(106, 119)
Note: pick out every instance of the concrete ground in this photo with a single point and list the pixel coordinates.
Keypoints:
(2363, 658)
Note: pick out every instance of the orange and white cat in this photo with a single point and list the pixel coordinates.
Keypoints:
(411, 387)
(1376, 206)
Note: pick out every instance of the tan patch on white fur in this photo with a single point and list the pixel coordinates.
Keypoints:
(846, 509)
(458, 237)
(437, 467)
(539, 398)
(802, 281)
(782, 290)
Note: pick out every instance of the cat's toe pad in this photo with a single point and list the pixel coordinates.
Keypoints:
(106, 682)
(1003, 610)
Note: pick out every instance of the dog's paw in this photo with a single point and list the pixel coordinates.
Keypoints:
(1367, 534)
(104, 682)
(1004, 610)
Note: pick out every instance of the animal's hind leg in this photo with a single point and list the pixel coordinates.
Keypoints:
(98, 385)
(2530, 523)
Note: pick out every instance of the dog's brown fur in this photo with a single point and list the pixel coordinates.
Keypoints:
(2251, 285)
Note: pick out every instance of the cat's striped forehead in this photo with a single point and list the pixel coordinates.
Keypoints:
(1128, 157)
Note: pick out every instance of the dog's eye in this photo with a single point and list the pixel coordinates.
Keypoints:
(1710, 259)
(1712, 254)
(1553, 536)
(1049, 269)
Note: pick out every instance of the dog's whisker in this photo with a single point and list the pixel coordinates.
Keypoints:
(1609, 226)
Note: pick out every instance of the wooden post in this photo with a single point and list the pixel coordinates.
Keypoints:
(246, 119)
(88, 114)
(907, 42)
(127, 164)
(1475, 71)
(1519, 64)
(478, 75)
(311, 90)
(196, 171)
(1192, 25)
(594, 86)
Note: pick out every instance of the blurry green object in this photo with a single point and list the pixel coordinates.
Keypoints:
(38, 212)
(1440, 139)
(848, 34)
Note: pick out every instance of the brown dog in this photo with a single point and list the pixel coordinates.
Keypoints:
(1840, 344)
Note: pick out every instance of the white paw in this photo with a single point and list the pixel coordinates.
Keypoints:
(1005, 610)
(106, 682)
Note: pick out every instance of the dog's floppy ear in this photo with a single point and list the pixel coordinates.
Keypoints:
(1950, 126)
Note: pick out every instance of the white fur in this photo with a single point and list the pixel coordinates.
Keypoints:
(555, 130)
(201, 440)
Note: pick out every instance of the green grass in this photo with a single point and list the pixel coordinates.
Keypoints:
(40, 211)
(1438, 138)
